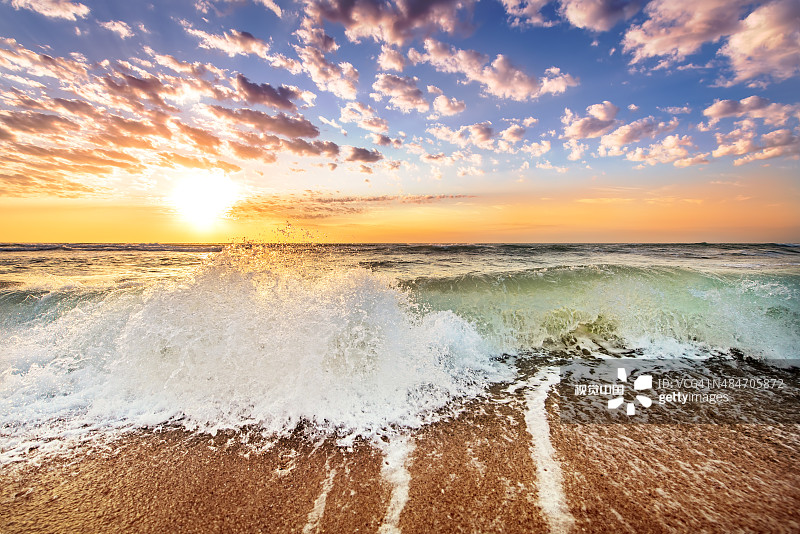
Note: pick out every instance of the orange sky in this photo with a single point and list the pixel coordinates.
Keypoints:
(707, 211)
(454, 121)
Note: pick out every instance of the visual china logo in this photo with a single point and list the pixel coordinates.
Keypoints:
(640, 384)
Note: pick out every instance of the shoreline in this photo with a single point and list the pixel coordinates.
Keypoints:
(474, 472)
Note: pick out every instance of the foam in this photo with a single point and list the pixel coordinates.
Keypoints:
(254, 340)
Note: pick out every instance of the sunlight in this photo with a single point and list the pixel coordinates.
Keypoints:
(202, 198)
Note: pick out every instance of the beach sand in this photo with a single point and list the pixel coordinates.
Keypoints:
(475, 472)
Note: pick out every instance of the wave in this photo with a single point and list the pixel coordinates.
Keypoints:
(249, 341)
(652, 306)
(109, 247)
(268, 337)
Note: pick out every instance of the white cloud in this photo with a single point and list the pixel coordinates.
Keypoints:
(576, 149)
(612, 143)
(233, 42)
(672, 149)
(742, 142)
(498, 78)
(676, 110)
(402, 91)
(391, 59)
(599, 120)
(536, 149)
(513, 133)
(365, 116)
(480, 135)
(544, 164)
(448, 106)
(118, 27)
(677, 28)
(390, 22)
(341, 79)
(598, 15)
(333, 124)
(272, 6)
(767, 43)
(60, 9)
(762, 44)
(754, 107)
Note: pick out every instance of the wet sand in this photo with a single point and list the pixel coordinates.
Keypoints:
(472, 473)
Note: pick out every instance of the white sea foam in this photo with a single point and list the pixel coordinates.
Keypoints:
(251, 341)
(548, 470)
(395, 472)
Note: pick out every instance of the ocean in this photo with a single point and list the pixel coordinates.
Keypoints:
(251, 387)
(356, 341)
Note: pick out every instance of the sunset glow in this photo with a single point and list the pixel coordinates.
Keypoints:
(511, 121)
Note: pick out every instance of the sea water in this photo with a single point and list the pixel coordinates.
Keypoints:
(356, 341)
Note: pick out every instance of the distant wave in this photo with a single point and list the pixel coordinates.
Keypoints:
(111, 247)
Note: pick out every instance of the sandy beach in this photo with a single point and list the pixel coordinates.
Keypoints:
(475, 472)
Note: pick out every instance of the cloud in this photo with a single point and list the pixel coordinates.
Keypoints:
(365, 116)
(599, 120)
(315, 36)
(341, 79)
(576, 149)
(612, 143)
(479, 134)
(675, 110)
(201, 138)
(248, 152)
(598, 15)
(272, 6)
(529, 121)
(754, 107)
(301, 147)
(333, 124)
(677, 28)
(742, 142)
(546, 165)
(362, 154)
(391, 59)
(232, 42)
(513, 133)
(763, 44)
(36, 123)
(118, 27)
(402, 91)
(528, 12)
(385, 140)
(536, 149)
(280, 98)
(672, 149)
(315, 205)
(280, 124)
(59, 9)
(448, 106)
(499, 78)
(196, 69)
(393, 23)
(766, 43)
(15, 57)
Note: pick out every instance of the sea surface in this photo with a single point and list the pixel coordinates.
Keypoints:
(354, 341)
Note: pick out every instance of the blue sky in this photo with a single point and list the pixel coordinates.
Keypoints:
(331, 112)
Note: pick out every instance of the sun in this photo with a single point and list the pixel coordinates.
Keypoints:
(202, 198)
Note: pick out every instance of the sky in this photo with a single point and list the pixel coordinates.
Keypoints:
(409, 121)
